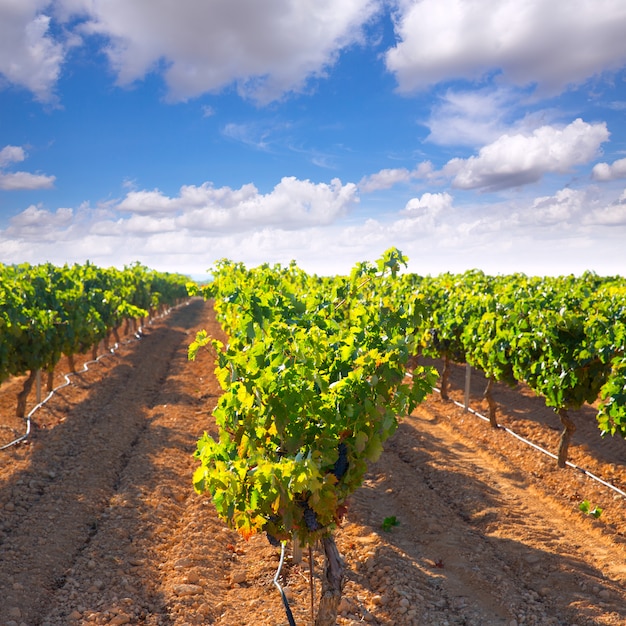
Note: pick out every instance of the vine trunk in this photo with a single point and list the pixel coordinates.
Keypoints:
(332, 584)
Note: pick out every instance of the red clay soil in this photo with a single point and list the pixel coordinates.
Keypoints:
(99, 523)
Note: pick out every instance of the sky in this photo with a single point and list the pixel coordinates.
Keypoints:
(470, 134)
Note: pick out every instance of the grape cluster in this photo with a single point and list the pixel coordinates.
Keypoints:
(341, 464)
(310, 518)
(446, 346)
(438, 344)
(274, 521)
(273, 541)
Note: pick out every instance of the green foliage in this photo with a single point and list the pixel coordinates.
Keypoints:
(47, 311)
(314, 371)
(586, 507)
(612, 414)
(314, 377)
(563, 336)
(443, 327)
(389, 523)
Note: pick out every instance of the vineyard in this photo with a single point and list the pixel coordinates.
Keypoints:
(436, 518)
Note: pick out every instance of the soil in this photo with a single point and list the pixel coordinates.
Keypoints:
(99, 523)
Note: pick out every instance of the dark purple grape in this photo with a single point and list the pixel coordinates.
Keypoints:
(273, 541)
(341, 464)
(310, 519)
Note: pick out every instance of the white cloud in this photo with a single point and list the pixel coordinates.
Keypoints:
(605, 172)
(387, 178)
(266, 48)
(469, 118)
(551, 234)
(424, 170)
(476, 117)
(384, 179)
(254, 134)
(520, 159)
(29, 56)
(11, 154)
(565, 207)
(38, 224)
(12, 181)
(546, 235)
(552, 44)
(191, 197)
(432, 203)
(291, 204)
(613, 214)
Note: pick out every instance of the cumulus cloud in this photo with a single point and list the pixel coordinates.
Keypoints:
(291, 204)
(469, 118)
(387, 178)
(29, 56)
(437, 232)
(200, 219)
(523, 158)
(265, 48)
(552, 44)
(12, 181)
(384, 179)
(475, 117)
(38, 224)
(605, 172)
(433, 203)
(562, 208)
(613, 214)
(268, 49)
(191, 230)
(11, 154)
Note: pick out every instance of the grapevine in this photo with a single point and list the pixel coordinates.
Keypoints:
(314, 381)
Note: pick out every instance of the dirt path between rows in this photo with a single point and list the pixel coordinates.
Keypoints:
(99, 524)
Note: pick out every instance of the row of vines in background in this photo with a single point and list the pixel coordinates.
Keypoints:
(562, 336)
(47, 311)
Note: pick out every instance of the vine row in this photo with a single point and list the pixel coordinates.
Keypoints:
(47, 311)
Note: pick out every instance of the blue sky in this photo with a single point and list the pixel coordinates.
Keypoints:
(482, 134)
